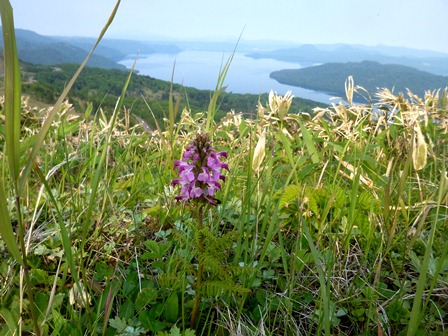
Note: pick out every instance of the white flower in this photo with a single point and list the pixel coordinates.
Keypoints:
(279, 105)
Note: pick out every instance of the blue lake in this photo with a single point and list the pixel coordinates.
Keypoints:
(200, 69)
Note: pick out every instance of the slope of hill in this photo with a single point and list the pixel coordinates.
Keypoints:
(51, 50)
(331, 77)
(60, 52)
(38, 49)
(102, 87)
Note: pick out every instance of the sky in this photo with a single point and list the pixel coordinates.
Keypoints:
(420, 24)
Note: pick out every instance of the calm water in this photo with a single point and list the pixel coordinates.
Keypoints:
(200, 69)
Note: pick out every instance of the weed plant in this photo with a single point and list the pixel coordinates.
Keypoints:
(332, 224)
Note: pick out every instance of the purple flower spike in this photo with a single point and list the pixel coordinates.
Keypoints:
(200, 171)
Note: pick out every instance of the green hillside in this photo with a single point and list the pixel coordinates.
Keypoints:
(102, 87)
(38, 49)
(51, 50)
(331, 77)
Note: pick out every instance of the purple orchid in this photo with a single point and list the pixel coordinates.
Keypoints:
(200, 171)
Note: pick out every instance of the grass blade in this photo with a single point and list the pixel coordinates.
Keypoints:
(416, 312)
(12, 89)
(66, 244)
(308, 138)
(99, 170)
(6, 230)
(12, 108)
(218, 90)
(320, 264)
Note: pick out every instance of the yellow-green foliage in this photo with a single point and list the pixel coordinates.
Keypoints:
(365, 180)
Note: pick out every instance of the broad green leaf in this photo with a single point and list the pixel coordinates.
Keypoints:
(145, 297)
(172, 308)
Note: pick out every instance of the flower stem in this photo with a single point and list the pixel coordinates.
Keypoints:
(201, 250)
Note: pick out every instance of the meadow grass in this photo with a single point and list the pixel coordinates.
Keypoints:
(331, 224)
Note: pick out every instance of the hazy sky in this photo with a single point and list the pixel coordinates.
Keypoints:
(420, 24)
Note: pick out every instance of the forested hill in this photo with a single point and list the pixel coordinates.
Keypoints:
(51, 50)
(102, 87)
(330, 77)
(38, 49)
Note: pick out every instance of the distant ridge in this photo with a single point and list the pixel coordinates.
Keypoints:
(306, 55)
(34, 48)
(118, 49)
(330, 77)
(38, 49)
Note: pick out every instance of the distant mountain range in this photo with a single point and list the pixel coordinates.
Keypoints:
(323, 67)
(38, 49)
(307, 54)
(330, 77)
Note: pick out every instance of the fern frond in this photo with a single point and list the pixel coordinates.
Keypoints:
(168, 280)
(215, 266)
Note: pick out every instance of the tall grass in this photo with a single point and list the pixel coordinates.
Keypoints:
(328, 224)
(19, 171)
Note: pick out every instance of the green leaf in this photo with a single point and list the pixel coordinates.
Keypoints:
(147, 320)
(145, 297)
(174, 331)
(290, 194)
(65, 129)
(38, 276)
(6, 230)
(58, 322)
(118, 323)
(12, 109)
(308, 138)
(312, 204)
(189, 332)
(172, 308)
(64, 234)
(220, 88)
(12, 90)
(127, 310)
(88, 110)
(12, 321)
